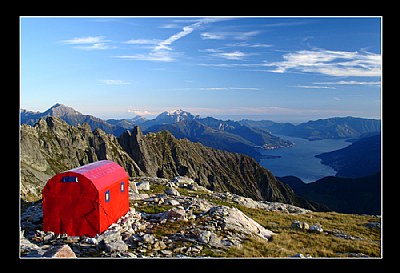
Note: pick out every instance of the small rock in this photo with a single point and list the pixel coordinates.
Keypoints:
(300, 255)
(204, 236)
(144, 186)
(110, 236)
(376, 225)
(148, 238)
(192, 186)
(180, 249)
(172, 184)
(49, 236)
(316, 228)
(172, 191)
(300, 225)
(166, 252)
(131, 255)
(182, 179)
(72, 239)
(159, 245)
(172, 202)
(233, 219)
(116, 246)
(136, 197)
(91, 241)
(133, 188)
(63, 251)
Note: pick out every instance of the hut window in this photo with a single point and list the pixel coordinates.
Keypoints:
(107, 196)
(122, 187)
(69, 179)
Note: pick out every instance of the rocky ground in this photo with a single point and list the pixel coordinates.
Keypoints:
(172, 218)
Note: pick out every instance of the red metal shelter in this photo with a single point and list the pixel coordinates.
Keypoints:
(85, 200)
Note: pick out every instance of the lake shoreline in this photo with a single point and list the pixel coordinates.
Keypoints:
(299, 160)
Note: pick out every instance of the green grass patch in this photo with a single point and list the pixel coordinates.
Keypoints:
(287, 241)
(153, 209)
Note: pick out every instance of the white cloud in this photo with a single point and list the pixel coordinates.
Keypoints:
(245, 44)
(223, 88)
(314, 87)
(213, 88)
(114, 82)
(244, 88)
(85, 40)
(230, 65)
(332, 63)
(229, 35)
(160, 56)
(212, 36)
(220, 88)
(350, 83)
(171, 25)
(210, 50)
(94, 46)
(142, 42)
(142, 112)
(89, 43)
(234, 55)
(162, 50)
(186, 30)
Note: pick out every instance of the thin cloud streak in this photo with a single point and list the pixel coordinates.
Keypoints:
(151, 56)
(228, 88)
(350, 83)
(313, 87)
(245, 44)
(142, 42)
(229, 35)
(162, 50)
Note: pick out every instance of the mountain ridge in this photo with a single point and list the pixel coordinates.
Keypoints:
(361, 158)
(226, 135)
(335, 127)
(359, 195)
(72, 117)
(51, 146)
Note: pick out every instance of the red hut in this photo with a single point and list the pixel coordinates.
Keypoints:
(85, 200)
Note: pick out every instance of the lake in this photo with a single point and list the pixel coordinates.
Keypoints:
(299, 160)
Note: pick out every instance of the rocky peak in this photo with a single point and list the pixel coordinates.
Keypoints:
(53, 146)
(175, 116)
(60, 110)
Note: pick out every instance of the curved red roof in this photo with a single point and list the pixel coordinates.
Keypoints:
(100, 172)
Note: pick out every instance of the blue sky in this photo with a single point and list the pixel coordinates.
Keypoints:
(278, 68)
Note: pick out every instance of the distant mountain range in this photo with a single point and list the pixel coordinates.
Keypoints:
(225, 135)
(245, 136)
(331, 128)
(127, 124)
(72, 117)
